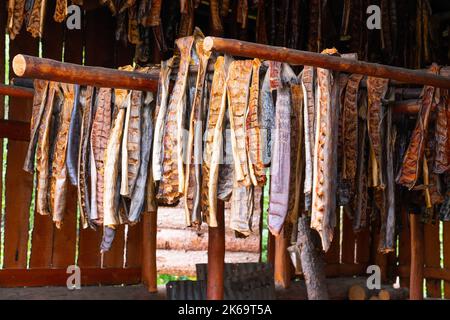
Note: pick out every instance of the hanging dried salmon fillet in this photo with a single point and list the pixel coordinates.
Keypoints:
(39, 103)
(281, 154)
(172, 180)
(253, 131)
(192, 186)
(59, 181)
(217, 28)
(112, 160)
(101, 127)
(267, 117)
(323, 208)
(225, 8)
(212, 158)
(307, 79)
(376, 89)
(131, 144)
(155, 13)
(442, 135)
(60, 10)
(87, 98)
(139, 191)
(238, 92)
(133, 25)
(361, 191)
(36, 19)
(296, 176)
(16, 14)
(350, 128)
(42, 153)
(74, 138)
(409, 171)
(242, 206)
(160, 114)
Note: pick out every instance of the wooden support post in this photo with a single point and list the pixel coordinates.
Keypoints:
(281, 265)
(216, 256)
(417, 258)
(149, 271)
(297, 57)
(47, 69)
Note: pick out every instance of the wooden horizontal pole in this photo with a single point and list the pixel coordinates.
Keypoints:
(52, 70)
(410, 107)
(434, 273)
(297, 57)
(58, 277)
(16, 92)
(14, 130)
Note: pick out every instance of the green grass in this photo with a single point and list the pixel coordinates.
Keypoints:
(163, 279)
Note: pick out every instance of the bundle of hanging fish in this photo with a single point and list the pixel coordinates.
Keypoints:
(98, 139)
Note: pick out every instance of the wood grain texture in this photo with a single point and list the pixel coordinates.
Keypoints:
(447, 257)
(3, 17)
(18, 184)
(431, 257)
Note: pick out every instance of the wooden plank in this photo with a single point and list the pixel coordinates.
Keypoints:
(378, 258)
(348, 241)
(404, 254)
(432, 257)
(446, 241)
(65, 239)
(428, 272)
(114, 257)
(19, 183)
(99, 44)
(282, 263)
(149, 268)
(15, 130)
(134, 246)
(417, 258)
(58, 277)
(332, 256)
(363, 246)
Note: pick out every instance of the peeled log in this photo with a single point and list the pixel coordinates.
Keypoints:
(361, 292)
(313, 264)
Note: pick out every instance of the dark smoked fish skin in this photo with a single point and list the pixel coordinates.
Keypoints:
(101, 127)
(39, 99)
(83, 158)
(74, 138)
(42, 153)
(409, 171)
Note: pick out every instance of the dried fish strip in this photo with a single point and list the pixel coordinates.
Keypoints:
(172, 180)
(131, 145)
(39, 103)
(253, 131)
(112, 160)
(237, 85)
(377, 89)
(192, 186)
(59, 181)
(101, 127)
(139, 190)
(161, 112)
(409, 171)
(42, 154)
(74, 138)
(214, 140)
(87, 97)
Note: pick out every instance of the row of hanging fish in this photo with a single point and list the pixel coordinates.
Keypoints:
(98, 139)
(326, 140)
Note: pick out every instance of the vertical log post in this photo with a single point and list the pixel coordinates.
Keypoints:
(149, 272)
(282, 274)
(216, 256)
(417, 258)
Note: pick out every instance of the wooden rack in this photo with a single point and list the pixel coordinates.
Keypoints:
(298, 57)
(39, 68)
